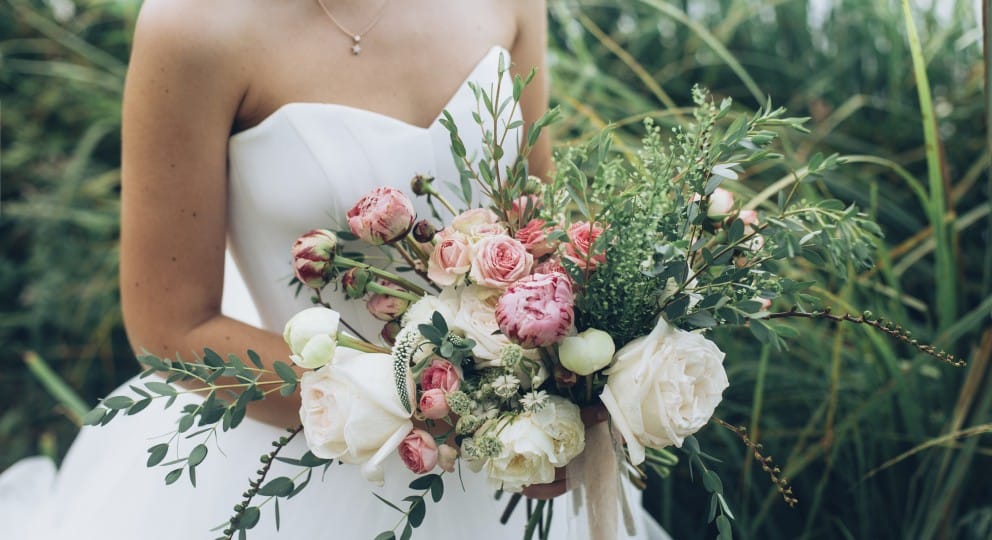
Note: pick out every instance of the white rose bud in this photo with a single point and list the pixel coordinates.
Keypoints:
(586, 352)
(312, 336)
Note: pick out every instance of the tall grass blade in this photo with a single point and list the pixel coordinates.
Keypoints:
(75, 407)
(946, 282)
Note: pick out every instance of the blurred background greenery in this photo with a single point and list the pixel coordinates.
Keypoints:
(877, 441)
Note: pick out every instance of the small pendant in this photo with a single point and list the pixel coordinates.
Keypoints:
(355, 47)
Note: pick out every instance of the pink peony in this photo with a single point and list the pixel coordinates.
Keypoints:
(442, 375)
(434, 404)
(313, 257)
(383, 216)
(386, 307)
(537, 310)
(498, 261)
(449, 259)
(419, 451)
(581, 237)
(535, 238)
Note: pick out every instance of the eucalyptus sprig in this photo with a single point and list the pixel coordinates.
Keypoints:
(416, 510)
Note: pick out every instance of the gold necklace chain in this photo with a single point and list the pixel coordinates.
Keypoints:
(356, 37)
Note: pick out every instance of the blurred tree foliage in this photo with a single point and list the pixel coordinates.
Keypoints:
(831, 410)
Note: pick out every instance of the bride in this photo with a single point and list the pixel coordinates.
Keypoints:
(247, 123)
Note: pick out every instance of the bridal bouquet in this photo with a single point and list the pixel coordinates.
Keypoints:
(595, 288)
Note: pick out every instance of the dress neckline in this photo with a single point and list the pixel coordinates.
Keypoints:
(282, 109)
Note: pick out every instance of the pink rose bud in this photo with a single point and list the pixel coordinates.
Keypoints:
(535, 238)
(565, 378)
(449, 259)
(550, 266)
(442, 375)
(499, 261)
(720, 204)
(421, 184)
(581, 237)
(433, 404)
(419, 451)
(386, 307)
(313, 257)
(446, 456)
(355, 281)
(748, 217)
(537, 310)
(523, 209)
(424, 231)
(383, 216)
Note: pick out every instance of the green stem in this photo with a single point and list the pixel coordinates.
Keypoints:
(534, 519)
(345, 262)
(378, 288)
(344, 340)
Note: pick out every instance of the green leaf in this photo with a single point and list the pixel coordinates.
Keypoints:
(94, 417)
(156, 454)
(760, 330)
(250, 517)
(277, 487)
(423, 482)
(173, 476)
(439, 322)
(161, 388)
(723, 525)
(437, 489)
(712, 483)
(118, 402)
(418, 510)
(387, 503)
(197, 455)
(255, 359)
(407, 532)
(386, 535)
(285, 372)
(310, 460)
(278, 520)
(185, 423)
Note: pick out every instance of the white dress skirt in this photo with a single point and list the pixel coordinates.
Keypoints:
(301, 168)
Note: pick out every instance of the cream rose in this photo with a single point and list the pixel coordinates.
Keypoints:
(352, 412)
(476, 318)
(663, 387)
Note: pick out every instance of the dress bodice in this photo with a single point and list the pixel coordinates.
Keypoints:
(306, 164)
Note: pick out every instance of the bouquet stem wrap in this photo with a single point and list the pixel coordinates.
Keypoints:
(599, 499)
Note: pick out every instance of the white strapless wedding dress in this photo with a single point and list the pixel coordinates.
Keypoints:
(301, 168)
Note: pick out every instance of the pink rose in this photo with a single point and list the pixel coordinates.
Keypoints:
(434, 404)
(446, 456)
(449, 259)
(581, 237)
(470, 219)
(386, 307)
(383, 216)
(537, 310)
(549, 266)
(419, 451)
(535, 238)
(313, 257)
(442, 375)
(498, 261)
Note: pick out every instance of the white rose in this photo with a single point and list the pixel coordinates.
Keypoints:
(476, 318)
(534, 443)
(423, 310)
(586, 352)
(664, 387)
(312, 336)
(352, 412)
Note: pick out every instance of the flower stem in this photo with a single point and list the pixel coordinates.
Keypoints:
(345, 262)
(361, 345)
(388, 291)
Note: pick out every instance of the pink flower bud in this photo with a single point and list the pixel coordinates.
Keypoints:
(565, 378)
(536, 311)
(748, 217)
(581, 237)
(424, 231)
(386, 307)
(442, 375)
(446, 456)
(720, 204)
(355, 281)
(313, 257)
(534, 237)
(433, 404)
(419, 451)
(383, 216)
(421, 185)
(389, 332)
(523, 209)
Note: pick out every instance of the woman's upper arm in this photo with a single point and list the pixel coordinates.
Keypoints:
(530, 52)
(182, 93)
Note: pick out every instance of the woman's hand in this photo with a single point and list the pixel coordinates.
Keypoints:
(591, 416)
